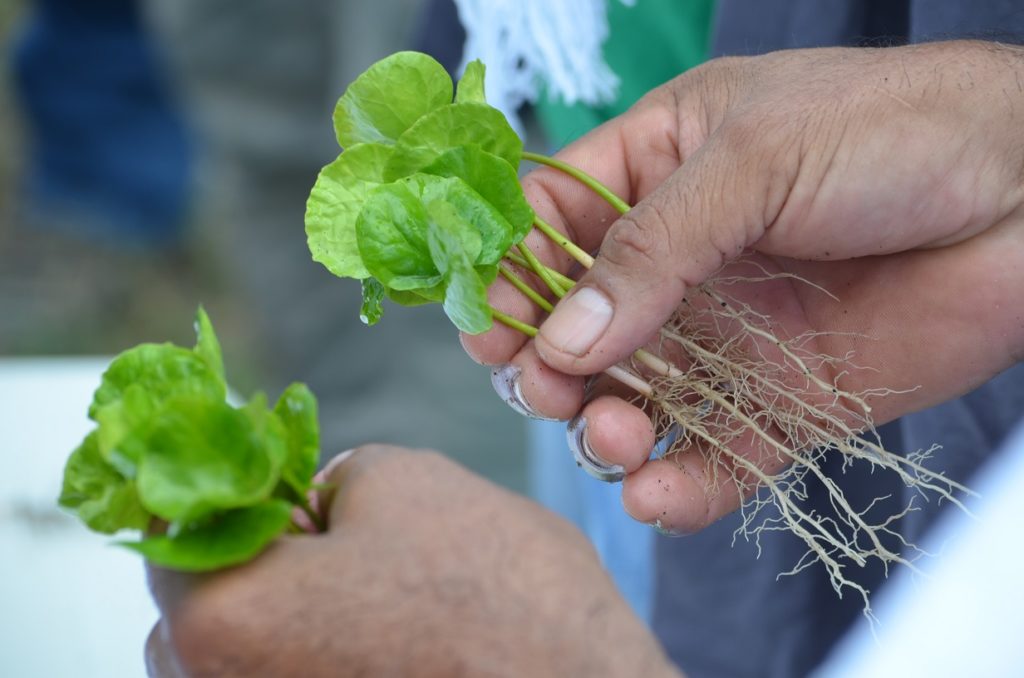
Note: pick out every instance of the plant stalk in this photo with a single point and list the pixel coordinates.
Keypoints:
(521, 285)
(541, 270)
(571, 248)
(509, 321)
(564, 281)
(615, 201)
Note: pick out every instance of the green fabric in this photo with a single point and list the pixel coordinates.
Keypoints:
(649, 44)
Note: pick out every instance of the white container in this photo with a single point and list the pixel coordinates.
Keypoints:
(71, 604)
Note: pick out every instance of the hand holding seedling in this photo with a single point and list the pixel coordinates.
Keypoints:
(889, 177)
(875, 199)
(425, 570)
(764, 303)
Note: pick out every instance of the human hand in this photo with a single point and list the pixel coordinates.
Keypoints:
(889, 177)
(425, 570)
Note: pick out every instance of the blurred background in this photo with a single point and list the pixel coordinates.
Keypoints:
(155, 155)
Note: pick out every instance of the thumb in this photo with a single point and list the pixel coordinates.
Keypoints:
(706, 213)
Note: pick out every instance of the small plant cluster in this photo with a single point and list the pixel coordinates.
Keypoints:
(424, 205)
(210, 485)
(424, 202)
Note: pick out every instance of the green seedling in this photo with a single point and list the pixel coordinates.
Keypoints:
(207, 484)
(424, 205)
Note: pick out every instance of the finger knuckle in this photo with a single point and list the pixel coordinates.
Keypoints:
(741, 134)
(636, 239)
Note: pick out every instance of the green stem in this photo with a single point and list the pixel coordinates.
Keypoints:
(528, 330)
(564, 281)
(616, 372)
(541, 270)
(596, 186)
(559, 283)
(571, 248)
(525, 288)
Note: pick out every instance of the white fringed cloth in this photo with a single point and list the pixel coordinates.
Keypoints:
(530, 45)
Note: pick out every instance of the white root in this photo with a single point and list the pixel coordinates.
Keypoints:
(732, 382)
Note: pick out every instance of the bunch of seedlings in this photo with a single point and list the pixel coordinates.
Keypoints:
(424, 205)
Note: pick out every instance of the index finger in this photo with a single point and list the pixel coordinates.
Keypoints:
(631, 155)
(355, 486)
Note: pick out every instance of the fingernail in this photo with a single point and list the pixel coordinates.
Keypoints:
(505, 380)
(664, 531)
(313, 495)
(330, 466)
(578, 321)
(585, 456)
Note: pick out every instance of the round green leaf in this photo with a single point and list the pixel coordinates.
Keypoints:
(134, 387)
(490, 226)
(338, 195)
(468, 124)
(227, 539)
(100, 496)
(495, 181)
(389, 97)
(162, 369)
(391, 234)
(392, 229)
(204, 456)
